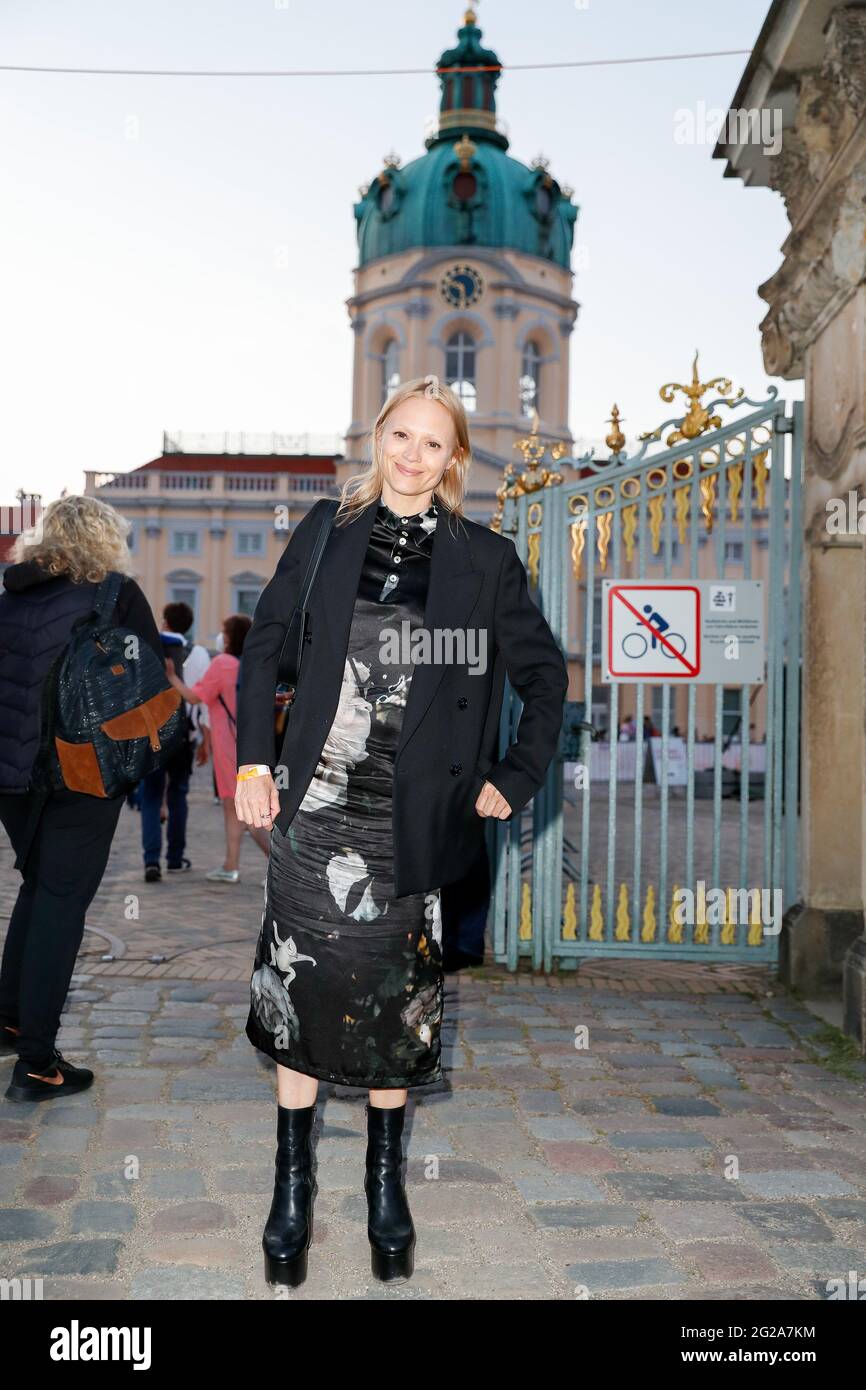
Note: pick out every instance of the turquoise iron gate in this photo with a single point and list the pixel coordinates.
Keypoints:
(598, 862)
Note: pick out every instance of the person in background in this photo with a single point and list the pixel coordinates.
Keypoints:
(218, 690)
(57, 567)
(172, 781)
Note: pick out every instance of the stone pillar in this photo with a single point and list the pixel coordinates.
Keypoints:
(816, 328)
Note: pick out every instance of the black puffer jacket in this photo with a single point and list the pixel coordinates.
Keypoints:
(37, 613)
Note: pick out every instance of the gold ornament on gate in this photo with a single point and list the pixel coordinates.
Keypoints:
(615, 441)
(533, 477)
(697, 419)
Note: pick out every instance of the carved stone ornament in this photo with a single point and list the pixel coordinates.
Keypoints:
(821, 174)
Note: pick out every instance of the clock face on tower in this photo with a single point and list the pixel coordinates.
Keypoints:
(461, 286)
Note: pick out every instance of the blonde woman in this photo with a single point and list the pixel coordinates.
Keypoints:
(57, 567)
(388, 770)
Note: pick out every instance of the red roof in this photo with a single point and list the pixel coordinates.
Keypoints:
(241, 463)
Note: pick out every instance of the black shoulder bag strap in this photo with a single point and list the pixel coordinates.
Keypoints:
(105, 598)
(289, 665)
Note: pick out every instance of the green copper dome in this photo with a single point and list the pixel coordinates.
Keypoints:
(466, 190)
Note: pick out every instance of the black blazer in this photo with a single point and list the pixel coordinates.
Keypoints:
(448, 744)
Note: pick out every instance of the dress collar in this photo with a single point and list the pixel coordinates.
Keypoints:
(419, 526)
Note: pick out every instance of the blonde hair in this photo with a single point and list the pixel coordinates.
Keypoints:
(362, 488)
(81, 537)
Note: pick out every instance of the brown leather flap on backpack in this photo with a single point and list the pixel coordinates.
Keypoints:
(144, 721)
(80, 767)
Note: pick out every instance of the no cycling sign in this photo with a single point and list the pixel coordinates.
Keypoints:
(698, 632)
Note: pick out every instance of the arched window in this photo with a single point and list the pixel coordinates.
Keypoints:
(390, 369)
(460, 368)
(530, 378)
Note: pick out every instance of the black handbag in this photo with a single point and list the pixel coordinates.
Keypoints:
(291, 654)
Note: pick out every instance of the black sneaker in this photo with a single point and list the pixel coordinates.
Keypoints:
(152, 873)
(62, 1079)
(182, 868)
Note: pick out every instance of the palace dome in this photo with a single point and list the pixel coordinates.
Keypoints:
(466, 190)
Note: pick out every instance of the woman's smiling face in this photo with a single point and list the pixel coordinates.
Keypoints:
(418, 444)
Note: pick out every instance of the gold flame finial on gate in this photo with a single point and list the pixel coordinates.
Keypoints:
(697, 419)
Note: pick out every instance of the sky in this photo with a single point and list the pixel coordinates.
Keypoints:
(176, 253)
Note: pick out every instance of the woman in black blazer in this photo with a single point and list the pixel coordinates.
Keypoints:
(387, 771)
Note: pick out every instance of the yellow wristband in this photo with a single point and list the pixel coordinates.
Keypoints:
(259, 770)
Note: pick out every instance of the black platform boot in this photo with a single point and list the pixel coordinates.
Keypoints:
(289, 1229)
(389, 1225)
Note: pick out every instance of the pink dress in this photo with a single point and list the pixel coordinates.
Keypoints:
(220, 679)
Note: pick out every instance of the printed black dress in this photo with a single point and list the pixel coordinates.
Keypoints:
(347, 982)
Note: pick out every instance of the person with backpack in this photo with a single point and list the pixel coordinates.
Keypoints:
(85, 710)
(171, 782)
(218, 690)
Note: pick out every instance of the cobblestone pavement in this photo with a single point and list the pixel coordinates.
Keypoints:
(698, 1148)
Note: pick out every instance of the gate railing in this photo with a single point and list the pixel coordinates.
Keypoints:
(563, 888)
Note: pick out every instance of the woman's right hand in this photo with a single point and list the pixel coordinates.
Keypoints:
(257, 801)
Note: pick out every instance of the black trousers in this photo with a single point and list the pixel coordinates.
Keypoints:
(62, 872)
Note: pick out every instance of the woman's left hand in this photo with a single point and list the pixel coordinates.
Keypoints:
(492, 803)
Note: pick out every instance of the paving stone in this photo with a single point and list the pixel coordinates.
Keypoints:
(75, 1112)
(201, 1085)
(727, 1261)
(182, 1057)
(559, 1187)
(206, 1252)
(827, 1261)
(83, 1290)
(165, 1282)
(62, 1140)
(22, 1223)
(50, 1191)
(102, 1218)
(795, 1183)
(192, 1217)
(540, 1102)
(685, 1105)
(564, 1127)
(103, 1014)
(664, 1139)
(451, 1170)
(654, 1187)
(54, 1165)
(692, 1220)
(581, 1158)
(844, 1208)
(114, 1184)
(584, 1216)
(175, 1183)
(786, 1221)
(497, 1033)
(71, 1257)
(243, 1182)
(597, 1276)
